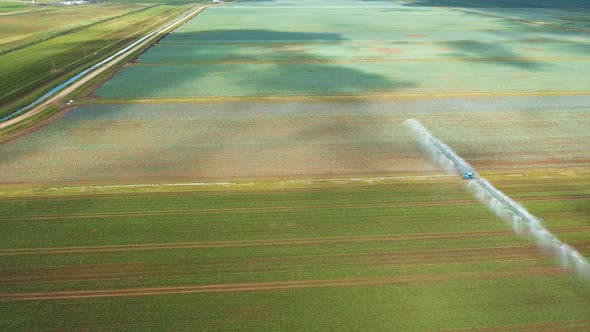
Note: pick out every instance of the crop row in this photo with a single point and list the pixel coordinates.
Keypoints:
(321, 247)
(123, 142)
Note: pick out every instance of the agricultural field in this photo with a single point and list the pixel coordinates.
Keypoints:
(12, 7)
(566, 14)
(277, 139)
(397, 50)
(43, 22)
(299, 256)
(33, 69)
(258, 176)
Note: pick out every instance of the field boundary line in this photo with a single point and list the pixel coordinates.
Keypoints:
(359, 60)
(303, 97)
(550, 326)
(20, 191)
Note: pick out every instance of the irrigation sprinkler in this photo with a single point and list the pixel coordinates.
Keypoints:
(516, 215)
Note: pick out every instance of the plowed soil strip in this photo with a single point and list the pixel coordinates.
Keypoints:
(581, 325)
(261, 243)
(274, 208)
(69, 273)
(278, 285)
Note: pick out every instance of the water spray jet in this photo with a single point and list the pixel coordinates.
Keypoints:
(521, 220)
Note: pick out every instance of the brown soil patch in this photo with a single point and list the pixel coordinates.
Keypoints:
(389, 50)
(532, 48)
(77, 273)
(234, 244)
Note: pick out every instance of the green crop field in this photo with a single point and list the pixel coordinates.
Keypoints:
(400, 254)
(44, 22)
(218, 140)
(393, 49)
(251, 171)
(9, 7)
(33, 69)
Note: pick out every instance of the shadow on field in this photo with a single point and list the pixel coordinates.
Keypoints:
(477, 49)
(229, 77)
(274, 139)
(500, 3)
(565, 13)
(246, 140)
(162, 142)
(582, 49)
(250, 35)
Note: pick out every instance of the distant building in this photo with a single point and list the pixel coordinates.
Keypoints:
(217, 1)
(73, 2)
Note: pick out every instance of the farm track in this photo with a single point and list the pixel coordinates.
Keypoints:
(343, 97)
(282, 285)
(366, 60)
(17, 12)
(295, 186)
(516, 181)
(264, 243)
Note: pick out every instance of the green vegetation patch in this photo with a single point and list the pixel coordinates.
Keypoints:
(36, 68)
(401, 248)
(50, 21)
(284, 48)
(457, 304)
(236, 80)
(11, 6)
